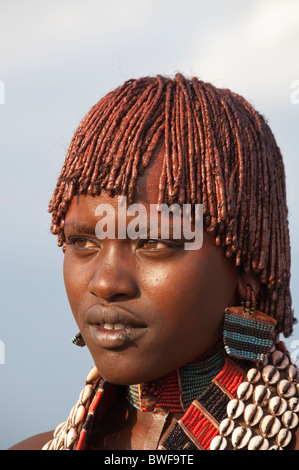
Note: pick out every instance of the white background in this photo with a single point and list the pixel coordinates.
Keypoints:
(57, 59)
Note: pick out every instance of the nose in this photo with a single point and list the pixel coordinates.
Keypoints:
(113, 278)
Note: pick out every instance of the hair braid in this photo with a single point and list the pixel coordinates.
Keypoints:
(218, 151)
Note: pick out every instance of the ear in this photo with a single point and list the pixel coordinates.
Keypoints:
(246, 279)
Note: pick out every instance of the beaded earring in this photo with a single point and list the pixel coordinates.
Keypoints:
(248, 333)
(78, 340)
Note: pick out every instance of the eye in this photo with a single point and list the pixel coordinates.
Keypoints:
(154, 245)
(81, 243)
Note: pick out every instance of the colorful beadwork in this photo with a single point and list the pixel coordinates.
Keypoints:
(177, 390)
(248, 335)
(78, 340)
(245, 406)
(200, 423)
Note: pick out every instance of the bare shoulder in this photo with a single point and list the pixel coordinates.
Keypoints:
(34, 443)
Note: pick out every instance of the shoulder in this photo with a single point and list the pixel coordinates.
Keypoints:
(34, 443)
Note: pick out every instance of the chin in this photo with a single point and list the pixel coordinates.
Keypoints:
(119, 374)
(120, 378)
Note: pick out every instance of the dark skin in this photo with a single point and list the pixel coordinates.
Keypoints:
(176, 297)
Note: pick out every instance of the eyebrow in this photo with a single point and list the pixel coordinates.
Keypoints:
(79, 227)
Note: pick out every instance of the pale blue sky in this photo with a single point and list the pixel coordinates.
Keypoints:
(57, 59)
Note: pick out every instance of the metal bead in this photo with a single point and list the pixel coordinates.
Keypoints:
(218, 443)
(240, 437)
(252, 414)
(270, 375)
(258, 443)
(286, 389)
(290, 419)
(269, 426)
(277, 406)
(253, 375)
(261, 395)
(235, 408)
(226, 427)
(244, 391)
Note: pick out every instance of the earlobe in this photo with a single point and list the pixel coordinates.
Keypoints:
(247, 279)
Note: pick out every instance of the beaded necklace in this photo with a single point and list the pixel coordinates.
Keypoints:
(177, 390)
(247, 405)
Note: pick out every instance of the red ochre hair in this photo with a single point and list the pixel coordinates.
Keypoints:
(218, 151)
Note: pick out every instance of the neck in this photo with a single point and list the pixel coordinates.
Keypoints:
(177, 390)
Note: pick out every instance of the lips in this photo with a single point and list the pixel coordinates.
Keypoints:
(113, 327)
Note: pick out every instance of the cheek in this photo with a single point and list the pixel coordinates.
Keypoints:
(76, 282)
(192, 296)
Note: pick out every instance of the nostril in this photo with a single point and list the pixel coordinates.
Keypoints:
(112, 298)
(113, 286)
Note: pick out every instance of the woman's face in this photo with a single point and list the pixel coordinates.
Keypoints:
(144, 307)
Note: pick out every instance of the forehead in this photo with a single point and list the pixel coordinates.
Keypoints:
(147, 188)
(146, 192)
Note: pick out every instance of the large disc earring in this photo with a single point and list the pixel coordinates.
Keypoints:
(248, 333)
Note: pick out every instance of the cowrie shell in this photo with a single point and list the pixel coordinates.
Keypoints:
(58, 429)
(284, 437)
(61, 438)
(293, 404)
(241, 436)
(71, 437)
(226, 427)
(252, 414)
(290, 419)
(269, 426)
(277, 406)
(292, 372)
(86, 394)
(286, 388)
(270, 375)
(80, 414)
(280, 360)
(253, 375)
(218, 443)
(258, 443)
(235, 408)
(244, 391)
(93, 374)
(261, 395)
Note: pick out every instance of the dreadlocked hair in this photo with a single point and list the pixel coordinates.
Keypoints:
(218, 151)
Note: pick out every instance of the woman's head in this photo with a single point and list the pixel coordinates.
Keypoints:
(214, 149)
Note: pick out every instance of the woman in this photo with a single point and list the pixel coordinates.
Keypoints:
(184, 341)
